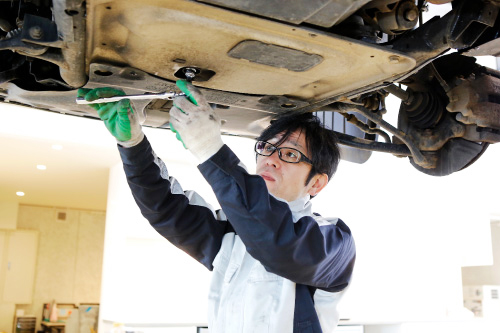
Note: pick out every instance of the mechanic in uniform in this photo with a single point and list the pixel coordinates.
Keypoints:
(277, 267)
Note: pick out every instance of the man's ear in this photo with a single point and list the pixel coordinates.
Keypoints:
(317, 183)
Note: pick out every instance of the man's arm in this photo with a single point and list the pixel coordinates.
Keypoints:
(304, 252)
(184, 218)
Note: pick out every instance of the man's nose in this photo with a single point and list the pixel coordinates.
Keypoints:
(273, 160)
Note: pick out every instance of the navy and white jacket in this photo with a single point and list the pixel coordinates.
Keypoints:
(276, 266)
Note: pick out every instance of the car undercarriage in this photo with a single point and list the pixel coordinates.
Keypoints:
(255, 60)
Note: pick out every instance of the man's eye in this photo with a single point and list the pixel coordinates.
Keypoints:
(269, 148)
(291, 154)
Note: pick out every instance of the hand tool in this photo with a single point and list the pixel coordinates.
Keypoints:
(164, 95)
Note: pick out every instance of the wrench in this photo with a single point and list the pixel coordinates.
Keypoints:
(164, 95)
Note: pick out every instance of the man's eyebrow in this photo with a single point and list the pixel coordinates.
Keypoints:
(288, 140)
(294, 142)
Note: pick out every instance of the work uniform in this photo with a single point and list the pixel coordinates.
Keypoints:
(276, 266)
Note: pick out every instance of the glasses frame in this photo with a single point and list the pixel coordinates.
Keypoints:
(303, 158)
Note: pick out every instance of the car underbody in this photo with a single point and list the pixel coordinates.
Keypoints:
(255, 60)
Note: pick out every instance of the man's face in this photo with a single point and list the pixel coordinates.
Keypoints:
(287, 180)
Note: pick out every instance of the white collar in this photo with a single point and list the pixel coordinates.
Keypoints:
(300, 207)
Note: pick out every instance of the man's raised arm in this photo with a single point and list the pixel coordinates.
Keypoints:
(184, 218)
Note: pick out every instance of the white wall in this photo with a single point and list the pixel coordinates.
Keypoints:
(486, 274)
(146, 279)
(412, 233)
(8, 214)
(69, 257)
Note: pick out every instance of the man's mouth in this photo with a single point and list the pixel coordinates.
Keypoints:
(267, 176)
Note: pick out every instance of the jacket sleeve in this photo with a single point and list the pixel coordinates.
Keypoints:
(183, 218)
(304, 252)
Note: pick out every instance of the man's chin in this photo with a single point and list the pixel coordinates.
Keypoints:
(271, 186)
(274, 193)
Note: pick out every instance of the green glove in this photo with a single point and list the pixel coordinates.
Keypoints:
(118, 117)
(196, 122)
(177, 135)
(184, 87)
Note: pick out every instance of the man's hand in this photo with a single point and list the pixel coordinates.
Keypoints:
(196, 123)
(118, 117)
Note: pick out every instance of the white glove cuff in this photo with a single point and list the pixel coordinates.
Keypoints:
(205, 150)
(132, 142)
(136, 133)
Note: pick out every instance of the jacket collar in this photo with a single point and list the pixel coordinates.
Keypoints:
(300, 207)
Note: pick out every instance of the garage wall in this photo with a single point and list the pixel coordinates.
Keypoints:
(69, 262)
(412, 233)
(486, 275)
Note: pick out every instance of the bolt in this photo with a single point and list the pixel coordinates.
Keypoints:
(36, 32)
(190, 73)
(411, 14)
(394, 59)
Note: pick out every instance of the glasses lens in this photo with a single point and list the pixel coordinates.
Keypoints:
(264, 148)
(290, 155)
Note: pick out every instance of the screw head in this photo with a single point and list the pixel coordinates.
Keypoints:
(411, 14)
(190, 73)
(36, 32)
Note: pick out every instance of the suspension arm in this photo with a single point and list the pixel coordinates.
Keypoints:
(363, 144)
(416, 154)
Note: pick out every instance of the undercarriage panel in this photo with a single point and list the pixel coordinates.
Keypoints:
(160, 37)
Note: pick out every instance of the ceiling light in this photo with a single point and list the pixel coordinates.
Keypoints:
(57, 147)
(20, 194)
(41, 167)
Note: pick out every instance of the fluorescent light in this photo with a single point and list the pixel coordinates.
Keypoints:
(57, 147)
(20, 194)
(41, 167)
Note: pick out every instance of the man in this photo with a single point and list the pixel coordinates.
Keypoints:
(277, 267)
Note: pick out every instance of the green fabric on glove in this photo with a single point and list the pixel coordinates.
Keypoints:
(177, 135)
(197, 123)
(184, 87)
(114, 114)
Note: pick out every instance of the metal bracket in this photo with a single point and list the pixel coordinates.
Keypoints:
(363, 144)
(33, 39)
(471, 19)
(416, 154)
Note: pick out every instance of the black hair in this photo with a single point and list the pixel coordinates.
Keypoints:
(321, 142)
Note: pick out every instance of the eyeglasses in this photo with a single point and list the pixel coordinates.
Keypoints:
(289, 155)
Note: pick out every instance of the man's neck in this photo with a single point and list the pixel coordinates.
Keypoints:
(300, 203)
(299, 207)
